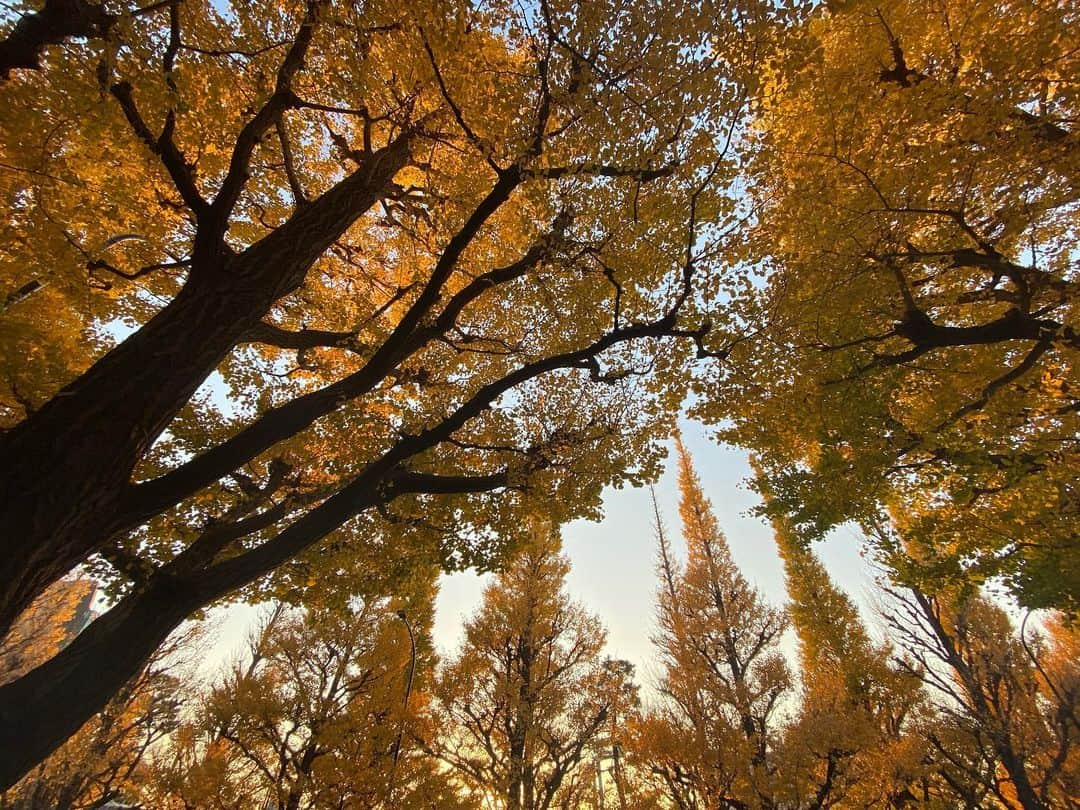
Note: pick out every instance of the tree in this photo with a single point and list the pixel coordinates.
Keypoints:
(49, 625)
(524, 701)
(711, 741)
(320, 713)
(1008, 725)
(1056, 658)
(856, 738)
(100, 762)
(916, 183)
(439, 259)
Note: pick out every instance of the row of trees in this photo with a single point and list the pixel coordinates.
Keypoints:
(301, 295)
(347, 709)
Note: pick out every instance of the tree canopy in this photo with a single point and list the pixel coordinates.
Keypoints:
(301, 298)
(915, 177)
(524, 705)
(292, 282)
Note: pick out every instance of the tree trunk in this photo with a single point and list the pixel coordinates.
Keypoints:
(303, 770)
(516, 769)
(42, 709)
(66, 468)
(528, 787)
(1014, 767)
(50, 703)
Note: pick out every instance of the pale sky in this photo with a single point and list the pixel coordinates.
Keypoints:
(613, 561)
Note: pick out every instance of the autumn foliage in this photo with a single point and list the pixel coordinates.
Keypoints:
(951, 706)
(915, 175)
(302, 302)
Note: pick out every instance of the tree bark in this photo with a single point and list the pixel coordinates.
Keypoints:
(67, 468)
(1014, 767)
(45, 707)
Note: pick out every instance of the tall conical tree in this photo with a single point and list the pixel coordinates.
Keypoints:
(710, 743)
(831, 635)
(853, 736)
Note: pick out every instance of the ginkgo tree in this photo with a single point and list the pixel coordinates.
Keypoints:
(711, 741)
(1007, 724)
(523, 707)
(289, 282)
(916, 326)
(855, 739)
(321, 711)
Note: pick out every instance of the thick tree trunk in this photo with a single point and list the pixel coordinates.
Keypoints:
(66, 469)
(516, 769)
(45, 707)
(528, 788)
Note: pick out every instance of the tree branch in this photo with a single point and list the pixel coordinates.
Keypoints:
(643, 175)
(297, 188)
(301, 339)
(57, 21)
(267, 116)
(164, 147)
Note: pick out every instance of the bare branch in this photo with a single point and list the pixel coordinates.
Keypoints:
(644, 175)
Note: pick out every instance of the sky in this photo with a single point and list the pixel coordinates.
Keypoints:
(613, 573)
(613, 563)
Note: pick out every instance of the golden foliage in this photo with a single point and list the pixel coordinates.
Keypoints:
(915, 171)
(529, 699)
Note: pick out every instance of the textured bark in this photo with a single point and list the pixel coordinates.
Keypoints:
(67, 468)
(45, 707)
